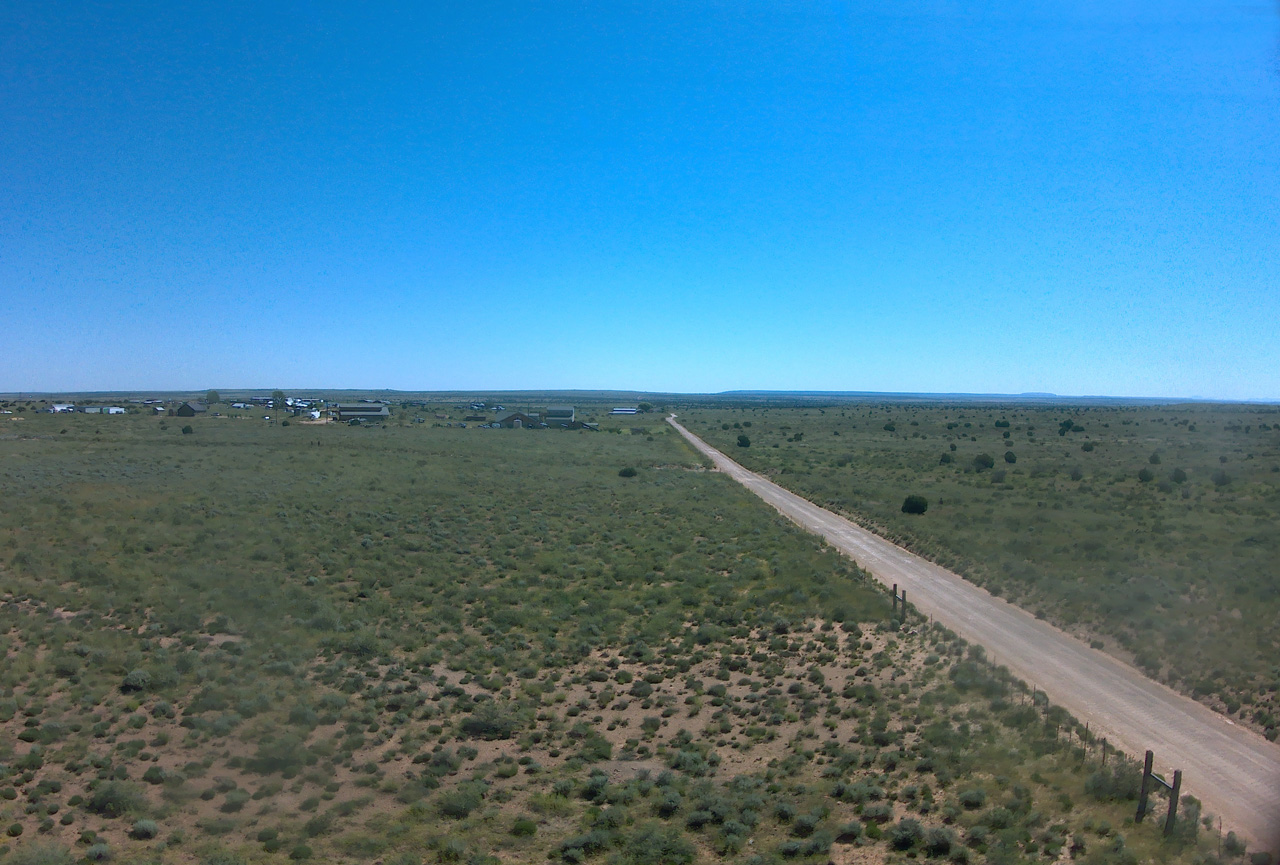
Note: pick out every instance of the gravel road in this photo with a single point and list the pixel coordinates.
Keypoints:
(1233, 771)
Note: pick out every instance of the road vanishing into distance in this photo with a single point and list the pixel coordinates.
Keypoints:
(1233, 771)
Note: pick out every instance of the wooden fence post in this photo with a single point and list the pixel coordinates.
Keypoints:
(1146, 783)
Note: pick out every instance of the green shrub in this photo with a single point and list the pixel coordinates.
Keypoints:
(524, 827)
(300, 852)
(14, 830)
(144, 830)
(115, 799)
(627, 472)
(40, 853)
(915, 504)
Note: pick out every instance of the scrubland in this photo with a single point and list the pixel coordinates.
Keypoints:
(1148, 530)
(410, 644)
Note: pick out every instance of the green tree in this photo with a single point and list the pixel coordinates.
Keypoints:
(277, 399)
(983, 461)
(212, 397)
(1010, 457)
(914, 504)
(744, 442)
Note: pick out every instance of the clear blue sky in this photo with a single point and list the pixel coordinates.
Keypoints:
(1074, 197)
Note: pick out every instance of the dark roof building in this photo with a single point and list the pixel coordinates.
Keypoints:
(520, 420)
(362, 410)
(191, 409)
(559, 415)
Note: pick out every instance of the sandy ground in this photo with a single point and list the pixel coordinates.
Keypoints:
(1234, 772)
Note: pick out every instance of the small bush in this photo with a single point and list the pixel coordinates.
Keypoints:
(115, 799)
(915, 504)
(187, 430)
(144, 830)
(627, 472)
(524, 828)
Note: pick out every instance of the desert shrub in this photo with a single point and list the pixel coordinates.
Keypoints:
(627, 472)
(973, 798)
(115, 799)
(460, 802)
(14, 830)
(187, 430)
(1120, 781)
(983, 461)
(490, 721)
(905, 834)
(877, 812)
(938, 840)
(144, 830)
(524, 827)
(136, 680)
(40, 853)
(915, 504)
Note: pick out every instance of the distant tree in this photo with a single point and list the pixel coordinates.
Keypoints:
(983, 461)
(212, 397)
(277, 399)
(744, 442)
(1146, 476)
(1178, 476)
(889, 427)
(1010, 457)
(645, 407)
(187, 430)
(1087, 447)
(914, 504)
(1154, 459)
(1220, 478)
(946, 458)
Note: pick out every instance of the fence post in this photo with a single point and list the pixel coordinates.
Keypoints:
(1142, 794)
(1173, 802)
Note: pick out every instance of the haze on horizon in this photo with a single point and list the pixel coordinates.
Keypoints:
(1030, 197)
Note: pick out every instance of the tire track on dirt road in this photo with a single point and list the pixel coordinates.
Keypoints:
(1233, 771)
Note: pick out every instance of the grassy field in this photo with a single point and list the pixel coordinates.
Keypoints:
(1151, 530)
(410, 643)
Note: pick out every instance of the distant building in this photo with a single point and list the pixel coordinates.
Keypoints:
(520, 420)
(90, 409)
(191, 409)
(625, 409)
(559, 415)
(113, 409)
(60, 407)
(362, 410)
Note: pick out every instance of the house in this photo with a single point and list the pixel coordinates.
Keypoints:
(625, 409)
(520, 420)
(559, 415)
(113, 409)
(362, 410)
(191, 409)
(60, 407)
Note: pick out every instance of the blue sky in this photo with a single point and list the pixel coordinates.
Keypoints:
(1072, 197)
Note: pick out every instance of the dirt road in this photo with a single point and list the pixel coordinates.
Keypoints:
(1234, 772)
